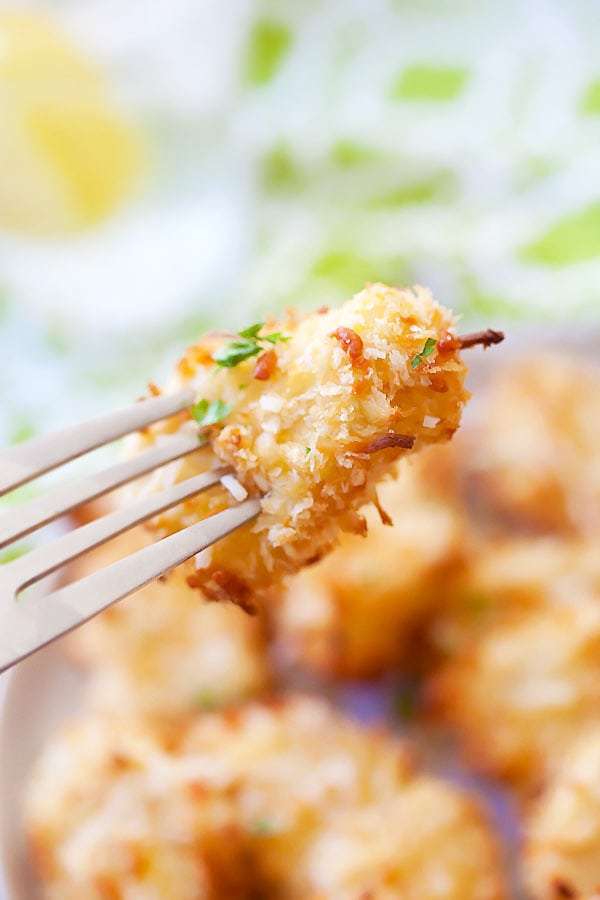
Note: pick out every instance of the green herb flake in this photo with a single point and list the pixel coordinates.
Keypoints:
(275, 337)
(406, 705)
(247, 345)
(307, 450)
(252, 331)
(236, 352)
(262, 826)
(205, 413)
(206, 701)
(428, 348)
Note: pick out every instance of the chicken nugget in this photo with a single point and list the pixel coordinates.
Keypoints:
(523, 690)
(166, 651)
(288, 800)
(562, 848)
(357, 612)
(310, 413)
(538, 449)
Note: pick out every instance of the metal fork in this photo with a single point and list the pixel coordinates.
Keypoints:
(29, 623)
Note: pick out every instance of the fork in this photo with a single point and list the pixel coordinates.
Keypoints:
(29, 623)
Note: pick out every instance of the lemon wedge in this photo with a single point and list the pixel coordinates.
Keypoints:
(67, 156)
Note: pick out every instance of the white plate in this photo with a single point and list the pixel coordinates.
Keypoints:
(44, 690)
(36, 697)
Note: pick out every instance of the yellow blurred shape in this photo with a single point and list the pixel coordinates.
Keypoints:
(67, 157)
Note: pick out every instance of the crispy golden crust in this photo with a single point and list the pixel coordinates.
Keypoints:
(538, 448)
(286, 801)
(165, 651)
(562, 849)
(505, 576)
(307, 436)
(524, 689)
(357, 612)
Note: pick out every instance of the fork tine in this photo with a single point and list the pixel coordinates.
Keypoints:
(33, 625)
(28, 460)
(46, 559)
(38, 512)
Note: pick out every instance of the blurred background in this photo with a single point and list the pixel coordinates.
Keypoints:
(170, 164)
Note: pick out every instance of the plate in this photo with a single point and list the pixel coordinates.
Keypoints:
(36, 698)
(45, 690)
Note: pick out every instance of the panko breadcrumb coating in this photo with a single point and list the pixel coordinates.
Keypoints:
(539, 445)
(356, 613)
(562, 850)
(287, 800)
(315, 429)
(523, 691)
(507, 575)
(165, 651)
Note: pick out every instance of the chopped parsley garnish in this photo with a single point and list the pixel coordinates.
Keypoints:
(206, 413)
(252, 331)
(405, 707)
(405, 701)
(307, 449)
(428, 348)
(236, 352)
(275, 336)
(206, 701)
(263, 825)
(245, 346)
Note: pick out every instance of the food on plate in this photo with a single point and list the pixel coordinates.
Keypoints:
(282, 800)
(503, 575)
(538, 448)
(486, 585)
(524, 690)
(311, 413)
(562, 849)
(357, 613)
(165, 651)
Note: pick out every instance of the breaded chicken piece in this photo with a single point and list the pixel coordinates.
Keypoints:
(505, 576)
(539, 445)
(312, 424)
(356, 613)
(524, 690)
(166, 651)
(287, 800)
(562, 848)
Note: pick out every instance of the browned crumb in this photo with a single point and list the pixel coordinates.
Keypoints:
(385, 441)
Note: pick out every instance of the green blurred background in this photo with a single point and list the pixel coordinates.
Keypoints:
(166, 165)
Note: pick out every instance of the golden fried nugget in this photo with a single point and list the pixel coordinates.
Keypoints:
(357, 612)
(166, 651)
(287, 800)
(315, 429)
(539, 446)
(524, 690)
(504, 576)
(562, 848)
